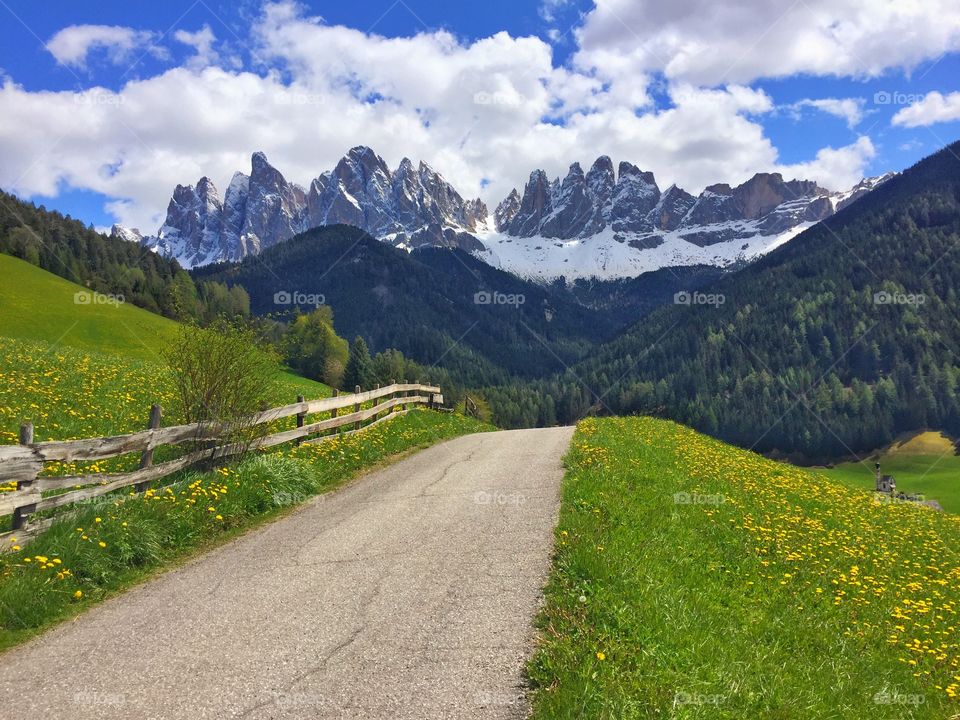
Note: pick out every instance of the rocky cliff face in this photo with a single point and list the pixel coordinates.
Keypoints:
(629, 202)
(619, 224)
(409, 207)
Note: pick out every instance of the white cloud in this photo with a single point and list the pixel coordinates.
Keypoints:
(73, 44)
(484, 113)
(711, 42)
(835, 168)
(202, 43)
(848, 109)
(933, 108)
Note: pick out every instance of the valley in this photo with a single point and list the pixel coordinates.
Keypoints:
(552, 359)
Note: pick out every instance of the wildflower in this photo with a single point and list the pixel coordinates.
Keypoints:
(601, 657)
(78, 594)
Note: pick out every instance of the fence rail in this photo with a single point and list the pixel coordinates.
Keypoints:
(24, 463)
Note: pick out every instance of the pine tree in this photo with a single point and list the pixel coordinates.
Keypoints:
(359, 369)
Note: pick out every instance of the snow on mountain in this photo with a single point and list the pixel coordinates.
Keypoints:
(409, 207)
(598, 224)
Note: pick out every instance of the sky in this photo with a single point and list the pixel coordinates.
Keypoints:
(106, 106)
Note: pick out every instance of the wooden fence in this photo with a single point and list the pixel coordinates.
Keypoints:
(24, 463)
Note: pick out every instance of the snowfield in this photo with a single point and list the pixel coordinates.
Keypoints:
(602, 256)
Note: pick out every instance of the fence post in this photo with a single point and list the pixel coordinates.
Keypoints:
(376, 401)
(146, 457)
(300, 417)
(393, 382)
(356, 408)
(19, 518)
(333, 413)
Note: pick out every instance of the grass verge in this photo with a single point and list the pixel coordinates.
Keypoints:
(122, 539)
(692, 579)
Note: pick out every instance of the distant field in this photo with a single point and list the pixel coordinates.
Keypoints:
(693, 579)
(926, 463)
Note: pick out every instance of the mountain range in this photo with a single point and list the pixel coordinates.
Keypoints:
(409, 207)
(601, 223)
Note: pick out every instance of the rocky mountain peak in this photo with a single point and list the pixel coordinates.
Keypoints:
(409, 207)
(506, 210)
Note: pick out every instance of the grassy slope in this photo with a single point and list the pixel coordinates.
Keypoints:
(927, 464)
(781, 594)
(36, 305)
(80, 370)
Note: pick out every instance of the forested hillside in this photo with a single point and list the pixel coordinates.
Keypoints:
(834, 343)
(68, 248)
(439, 306)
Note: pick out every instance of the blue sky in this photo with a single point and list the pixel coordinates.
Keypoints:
(108, 105)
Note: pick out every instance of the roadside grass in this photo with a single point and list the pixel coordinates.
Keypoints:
(927, 463)
(122, 538)
(692, 579)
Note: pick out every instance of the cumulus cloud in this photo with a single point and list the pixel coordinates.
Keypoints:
(835, 168)
(202, 41)
(848, 109)
(484, 113)
(931, 109)
(73, 44)
(711, 43)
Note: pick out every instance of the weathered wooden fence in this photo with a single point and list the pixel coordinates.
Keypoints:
(24, 463)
